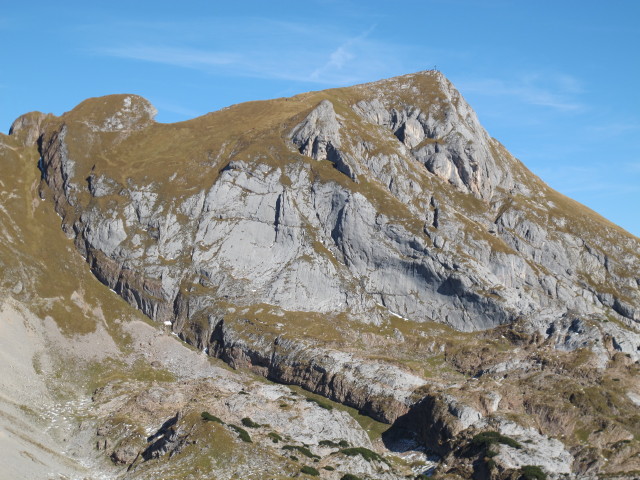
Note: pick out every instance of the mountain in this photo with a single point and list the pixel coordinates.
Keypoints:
(371, 244)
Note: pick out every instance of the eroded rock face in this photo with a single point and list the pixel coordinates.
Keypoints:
(319, 133)
(447, 138)
(28, 127)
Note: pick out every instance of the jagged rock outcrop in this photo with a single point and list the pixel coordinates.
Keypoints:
(319, 134)
(359, 209)
(318, 137)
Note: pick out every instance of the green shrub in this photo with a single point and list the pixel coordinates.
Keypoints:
(275, 438)
(328, 443)
(242, 433)
(490, 454)
(206, 416)
(247, 422)
(365, 453)
(486, 439)
(532, 472)
(320, 403)
(310, 471)
(332, 444)
(294, 458)
(303, 450)
(349, 476)
(329, 468)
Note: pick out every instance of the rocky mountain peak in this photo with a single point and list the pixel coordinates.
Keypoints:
(372, 244)
(114, 113)
(430, 117)
(27, 128)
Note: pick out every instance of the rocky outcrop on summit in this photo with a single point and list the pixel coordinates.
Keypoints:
(28, 127)
(445, 137)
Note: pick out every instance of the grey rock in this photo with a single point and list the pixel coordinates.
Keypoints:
(28, 127)
(319, 132)
(536, 449)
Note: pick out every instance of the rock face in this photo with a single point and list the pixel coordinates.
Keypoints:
(281, 234)
(358, 209)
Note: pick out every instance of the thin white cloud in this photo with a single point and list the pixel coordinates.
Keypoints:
(260, 64)
(615, 129)
(340, 56)
(553, 91)
(181, 57)
(260, 48)
(177, 109)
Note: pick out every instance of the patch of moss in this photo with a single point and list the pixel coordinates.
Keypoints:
(275, 438)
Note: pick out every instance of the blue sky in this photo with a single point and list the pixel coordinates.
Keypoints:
(555, 81)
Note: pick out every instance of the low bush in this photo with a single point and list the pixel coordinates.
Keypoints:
(310, 471)
(206, 416)
(242, 433)
(303, 450)
(486, 439)
(329, 468)
(328, 443)
(365, 453)
(532, 472)
(247, 422)
(332, 444)
(349, 476)
(275, 438)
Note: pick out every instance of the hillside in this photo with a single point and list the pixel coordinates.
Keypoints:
(371, 244)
